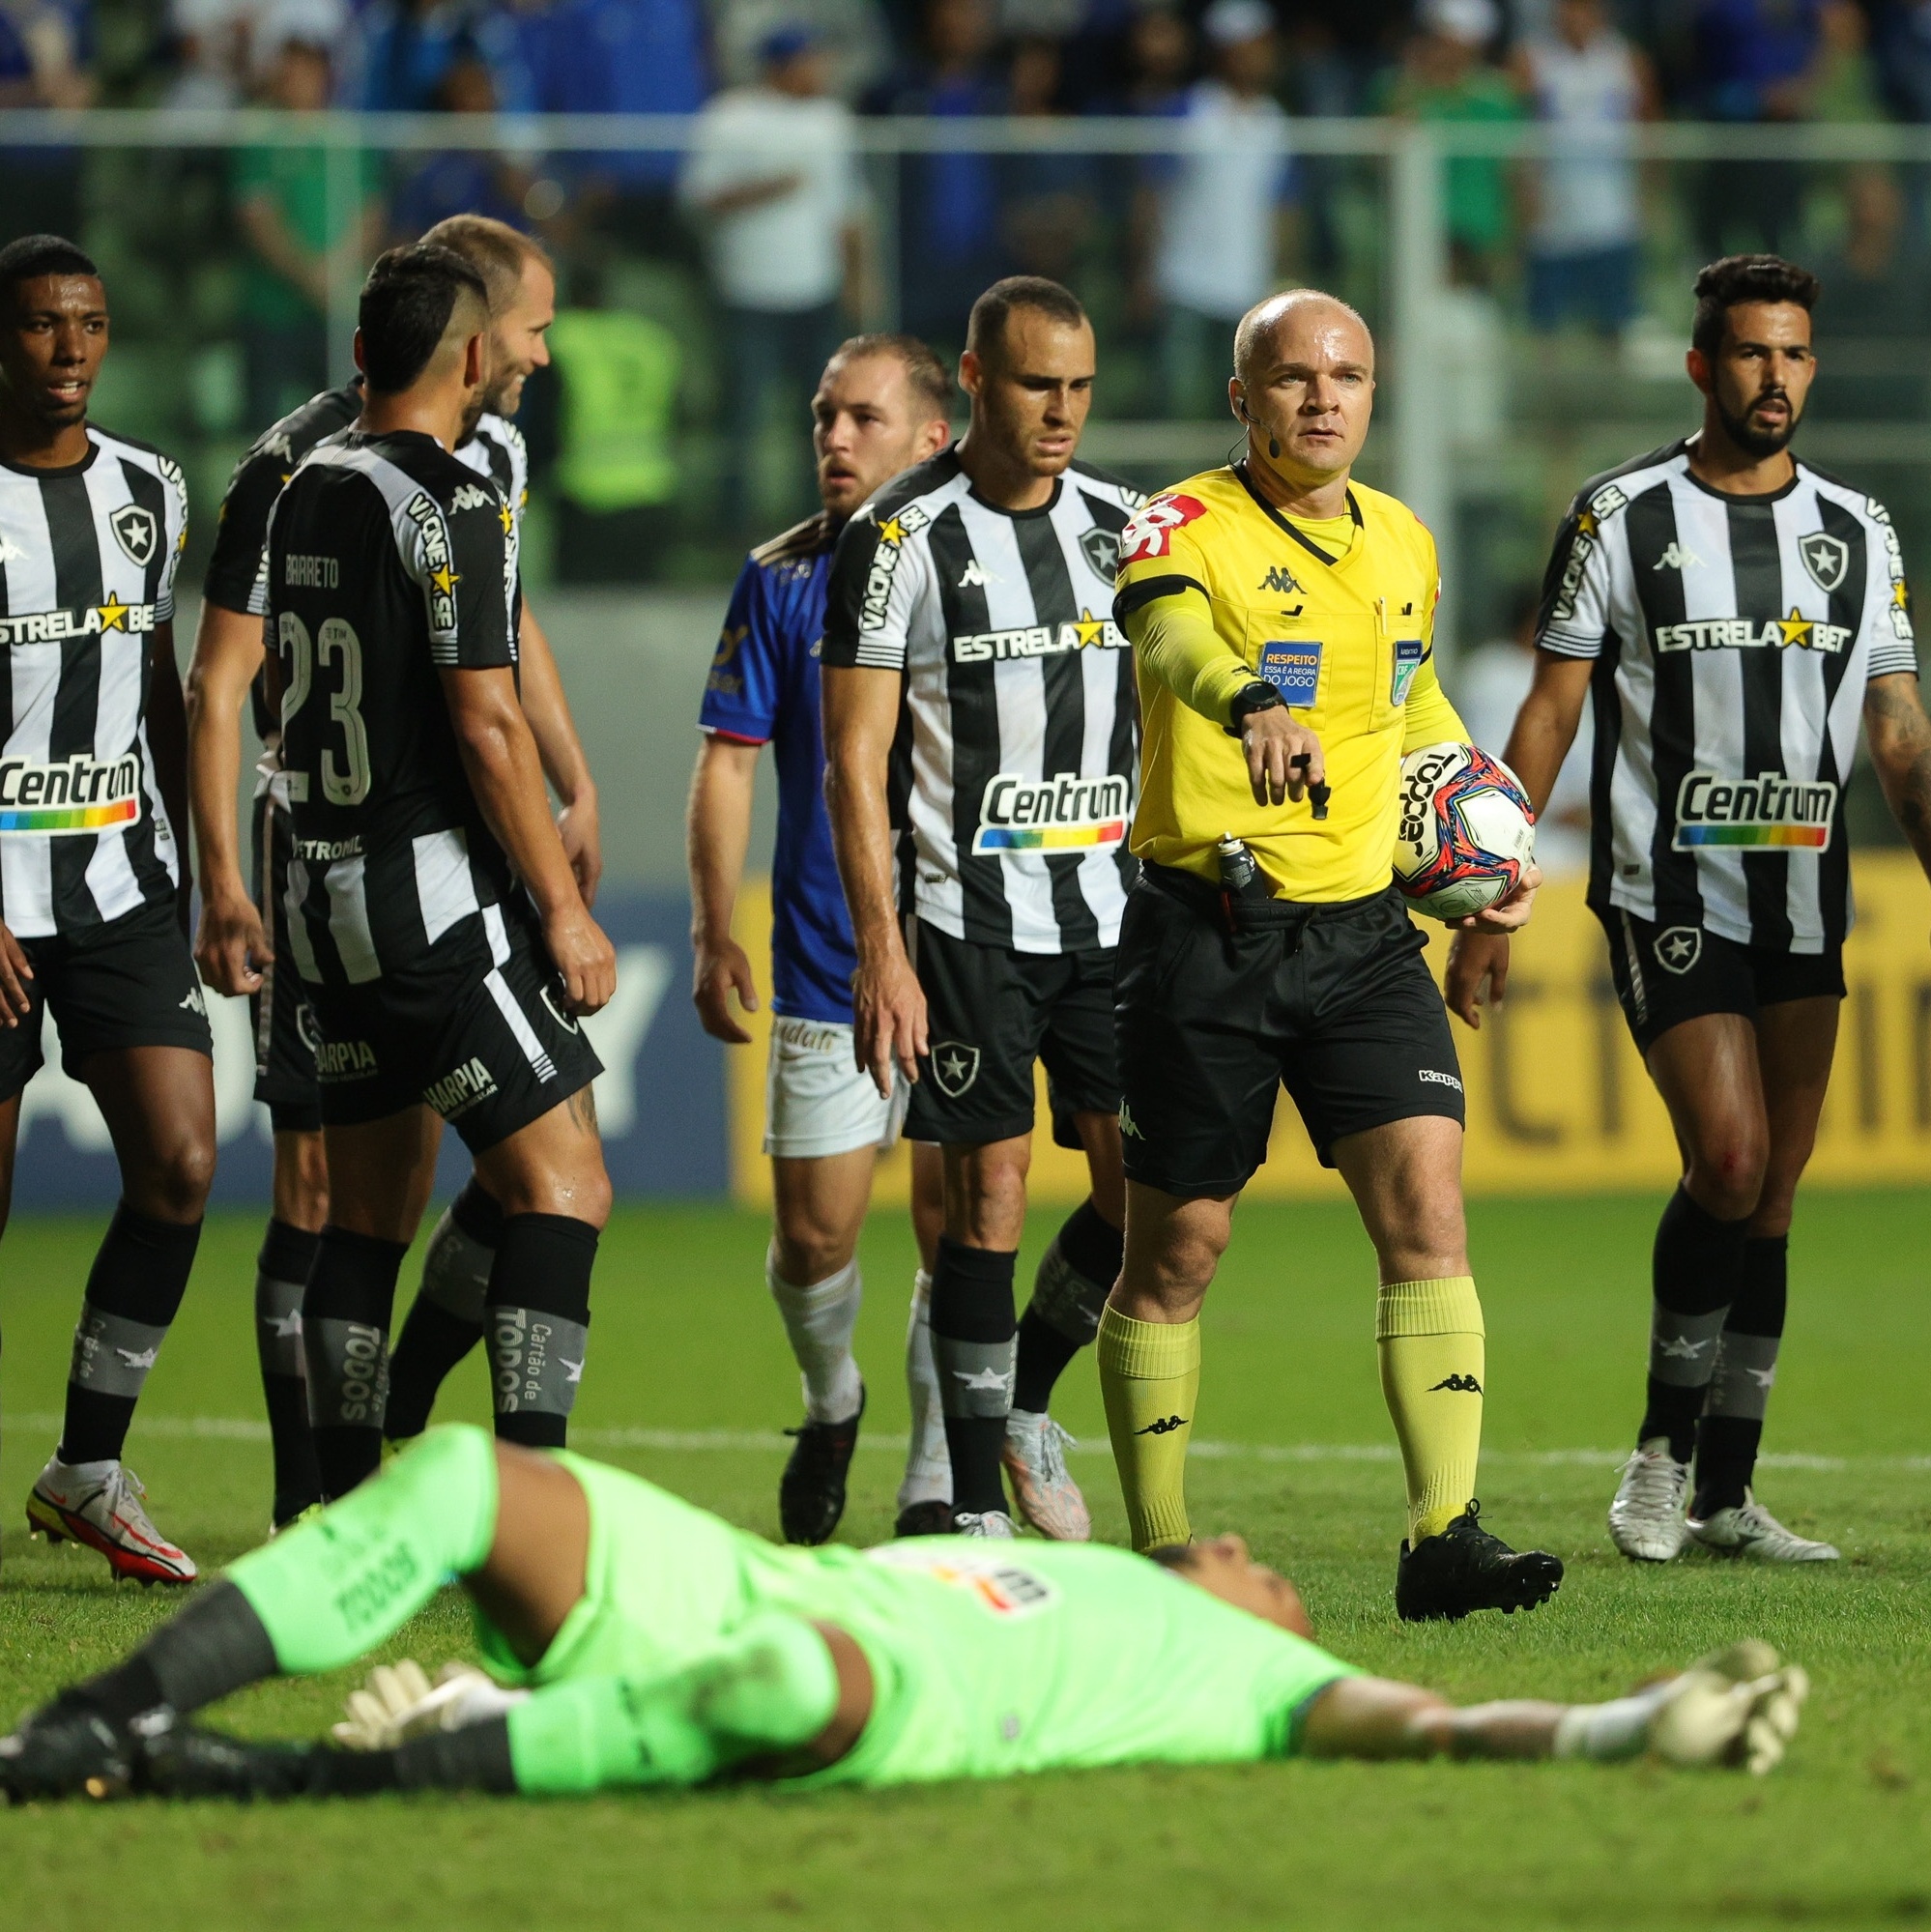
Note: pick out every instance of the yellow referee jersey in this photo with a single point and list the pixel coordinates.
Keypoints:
(1216, 588)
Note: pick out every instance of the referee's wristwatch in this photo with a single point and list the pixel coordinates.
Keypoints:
(1257, 696)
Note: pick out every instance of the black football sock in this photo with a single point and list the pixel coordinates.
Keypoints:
(1732, 1427)
(281, 1280)
(972, 1329)
(140, 1275)
(213, 1646)
(1075, 1275)
(345, 1318)
(1697, 1270)
(446, 1320)
(538, 1325)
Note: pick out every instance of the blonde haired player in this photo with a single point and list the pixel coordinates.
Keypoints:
(1281, 618)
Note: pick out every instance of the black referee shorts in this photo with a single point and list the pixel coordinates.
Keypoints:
(1667, 974)
(991, 1012)
(489, 1049)
(1333, 1001)
(129, 983)
(286, 1034)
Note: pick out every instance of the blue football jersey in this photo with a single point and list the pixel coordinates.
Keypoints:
(764, 689)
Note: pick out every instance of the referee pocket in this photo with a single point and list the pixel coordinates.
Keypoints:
(1157, 935)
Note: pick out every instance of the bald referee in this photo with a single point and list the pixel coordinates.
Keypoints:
(1281, 619)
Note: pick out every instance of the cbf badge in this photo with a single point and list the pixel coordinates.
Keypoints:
(1407, 661)
(1293, 669)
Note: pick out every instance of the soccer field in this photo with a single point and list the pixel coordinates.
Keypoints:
(688, 1383)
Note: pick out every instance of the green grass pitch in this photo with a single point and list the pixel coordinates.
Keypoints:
(689, 1382)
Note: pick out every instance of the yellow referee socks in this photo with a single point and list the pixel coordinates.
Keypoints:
(1430, 1338)
(1150, 1376)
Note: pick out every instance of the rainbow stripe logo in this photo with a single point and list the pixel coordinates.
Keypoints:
(1063, 813)
(83, 794)
(1048, 838)
(1768, 813)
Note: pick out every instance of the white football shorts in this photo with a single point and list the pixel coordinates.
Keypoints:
(816, 1102)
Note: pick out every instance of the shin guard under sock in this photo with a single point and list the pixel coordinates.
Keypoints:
(972, 1331)
(1075, 1275)
(1150, 1380)
(281, 1279)
(134, 1290)
(1429, 1338)
(1732, 1428)
(1697, 1270)
(445, 1320)
(538, 1325)
(928, 1472)
(345, 1318)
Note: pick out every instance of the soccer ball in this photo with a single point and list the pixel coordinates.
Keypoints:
(1466, 833)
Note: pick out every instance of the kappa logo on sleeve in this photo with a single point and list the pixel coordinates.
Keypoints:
(472, 497)
(1151, 532)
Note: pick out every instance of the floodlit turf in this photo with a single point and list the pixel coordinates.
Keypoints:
(689, 1357)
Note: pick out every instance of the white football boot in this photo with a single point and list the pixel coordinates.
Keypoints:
(1646, 1521)
(98, 1504)
(986, 1522)
(1738, 1708)
(1753, 1534)
(1034, 1456)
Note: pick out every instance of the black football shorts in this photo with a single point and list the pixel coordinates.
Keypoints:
(490, 1050)
(1332, 1001)
(991, 1012)
(129, 983)
(286, 1034)
(1667, 974)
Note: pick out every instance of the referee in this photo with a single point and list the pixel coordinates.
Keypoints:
(1277, 604)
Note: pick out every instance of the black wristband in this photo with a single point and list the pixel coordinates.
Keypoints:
(1258, 696)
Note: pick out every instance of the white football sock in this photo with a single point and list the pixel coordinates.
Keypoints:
(928, 1476)
(819, 1320)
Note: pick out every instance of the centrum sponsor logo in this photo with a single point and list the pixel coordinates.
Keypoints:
(1768, 812)
(457, 1093)
(1086, 632)
(326, 852)
(78, 621)
(83, 795)
(1795, 632)
(344, 1059)
(1052, 814)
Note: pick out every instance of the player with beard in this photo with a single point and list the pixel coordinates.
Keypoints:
(1733, 614)
(879, 408)
(242, 933)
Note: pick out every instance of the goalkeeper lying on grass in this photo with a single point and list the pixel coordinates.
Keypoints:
(645, 1643)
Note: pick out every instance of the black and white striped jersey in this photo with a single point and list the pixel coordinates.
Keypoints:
(494, 449)
(1015, 765)
(387, 560)
(87, 562)
(1733, 639)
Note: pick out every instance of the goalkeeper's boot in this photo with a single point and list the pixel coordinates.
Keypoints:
(69, 1748)
(1750, 1531)
(1466, 1567)
(98, 1504)
(930, 1517)
(1738, 1707)
(1044, 1491)
(1646, 1519)
(811, 1492)
(185, 1762)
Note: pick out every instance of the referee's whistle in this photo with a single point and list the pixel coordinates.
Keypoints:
(1318, 795)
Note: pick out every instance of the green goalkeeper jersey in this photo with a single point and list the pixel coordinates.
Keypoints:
(987, 1660)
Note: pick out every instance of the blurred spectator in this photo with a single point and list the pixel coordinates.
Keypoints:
(1160, 61)
(1050, 199)
(44, 54)
(773, 177)
(1845, 86)
(398, 52)
(616, 471)
(1588, 84)
(1900, 35)
(1755, 61)
(463, 181)
(856, 42)
(949, 242)
(298, 235)
(1876, 310)
(1446, 76)
(212, 43)
(1212, 218)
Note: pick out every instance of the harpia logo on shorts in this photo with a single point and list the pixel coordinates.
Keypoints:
(1019, 815)
(1769, 810)
(83, 795)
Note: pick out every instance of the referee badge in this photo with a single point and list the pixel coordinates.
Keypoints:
(1826, 557)
(1408, 655)
(955, 1066)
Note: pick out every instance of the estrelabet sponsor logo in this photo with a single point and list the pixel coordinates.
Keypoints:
(79, 620)
(1795, 632)
(1086, 632)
